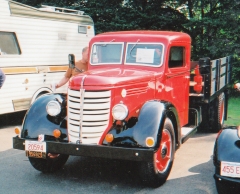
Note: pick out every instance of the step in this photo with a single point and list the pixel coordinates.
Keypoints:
(187, 132)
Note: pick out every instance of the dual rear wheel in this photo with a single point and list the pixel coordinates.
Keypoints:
(213, 115)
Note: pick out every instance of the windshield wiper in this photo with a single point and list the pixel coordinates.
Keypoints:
(107, 43)
(133, 48)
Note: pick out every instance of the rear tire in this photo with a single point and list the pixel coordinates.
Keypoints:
(155, 173)
(49, 164)
(214, 115)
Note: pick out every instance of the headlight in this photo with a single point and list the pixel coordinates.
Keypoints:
(53, 108)
(119, 112)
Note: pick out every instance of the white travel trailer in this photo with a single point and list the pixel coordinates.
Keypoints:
(34, 48)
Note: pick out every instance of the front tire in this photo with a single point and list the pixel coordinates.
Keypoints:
(155, 173)
(49, 164)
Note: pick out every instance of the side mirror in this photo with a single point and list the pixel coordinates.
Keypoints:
(71, 61)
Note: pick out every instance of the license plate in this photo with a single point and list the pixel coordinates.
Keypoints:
(35, 149)
(230, 169)
(33, 154)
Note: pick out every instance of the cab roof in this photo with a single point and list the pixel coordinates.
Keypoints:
(146, 35)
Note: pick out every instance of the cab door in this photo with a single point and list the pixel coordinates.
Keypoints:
(177, 81)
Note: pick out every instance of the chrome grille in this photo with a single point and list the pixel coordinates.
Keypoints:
(96, 110)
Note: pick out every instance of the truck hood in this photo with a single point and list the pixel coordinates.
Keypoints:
(112, 77)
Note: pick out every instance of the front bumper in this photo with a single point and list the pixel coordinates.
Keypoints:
(100, 151)
(227, 180)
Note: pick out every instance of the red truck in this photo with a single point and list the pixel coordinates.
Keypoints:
(140, 100)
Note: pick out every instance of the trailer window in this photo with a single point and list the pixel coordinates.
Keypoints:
(176, 57)
(9, 44)
(106, 53)
(82, 29)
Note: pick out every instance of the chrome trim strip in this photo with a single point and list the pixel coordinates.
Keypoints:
(82, 93)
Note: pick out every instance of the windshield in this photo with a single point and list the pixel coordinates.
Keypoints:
(106, 53)
(149, 54)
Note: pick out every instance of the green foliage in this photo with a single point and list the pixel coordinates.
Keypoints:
(233, 111)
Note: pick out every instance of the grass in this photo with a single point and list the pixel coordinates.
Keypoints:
(233, 117)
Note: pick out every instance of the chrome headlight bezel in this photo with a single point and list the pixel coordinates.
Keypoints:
(53, 108)
(119, 112)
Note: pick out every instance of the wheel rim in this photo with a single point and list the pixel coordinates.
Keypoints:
(222, 110)
(163, 154)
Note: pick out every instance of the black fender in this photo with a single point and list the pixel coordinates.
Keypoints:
(227, 146)
(150, 124)
(37, 121)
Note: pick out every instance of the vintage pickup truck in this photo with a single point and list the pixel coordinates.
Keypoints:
(140, 100)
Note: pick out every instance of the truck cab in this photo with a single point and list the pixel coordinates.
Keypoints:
(133, 68)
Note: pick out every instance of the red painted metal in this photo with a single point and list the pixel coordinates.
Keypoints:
(142, 83)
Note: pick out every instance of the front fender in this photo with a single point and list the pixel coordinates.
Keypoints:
(227, 146)
(150, 124)
(37, 121)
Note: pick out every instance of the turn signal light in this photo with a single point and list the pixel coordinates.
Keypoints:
(150, 141)
(17, 130)
(109, 138)
(57, 133)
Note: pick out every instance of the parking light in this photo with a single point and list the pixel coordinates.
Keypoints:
(57, 133)
(109, 138)
(150, 141)
(17, 130)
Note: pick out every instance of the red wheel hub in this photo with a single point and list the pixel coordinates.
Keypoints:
(163, 154)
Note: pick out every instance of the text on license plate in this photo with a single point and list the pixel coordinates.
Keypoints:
(36, 146)
(230, 169)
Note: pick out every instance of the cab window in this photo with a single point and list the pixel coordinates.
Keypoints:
(176, 57)
(147, 54)
(107, 53)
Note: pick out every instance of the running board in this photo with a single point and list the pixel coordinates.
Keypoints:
(187, 132)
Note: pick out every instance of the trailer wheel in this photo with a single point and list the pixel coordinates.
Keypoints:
(155, 173)
(214, 115)
(40, 94)
(49, 164)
